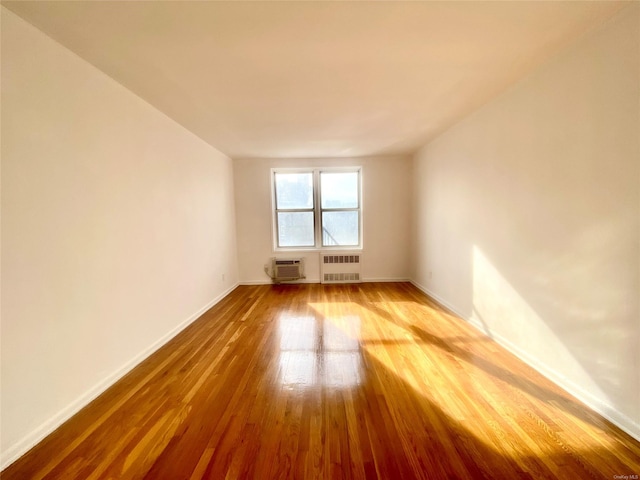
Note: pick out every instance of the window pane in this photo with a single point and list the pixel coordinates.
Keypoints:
(339, 189)
(340, 228)
(294, 190)
(295, 229)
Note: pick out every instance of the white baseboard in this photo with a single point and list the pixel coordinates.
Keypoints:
(30, 440)
(596, 404)
(384, 280)
(268, 282)
(317, 280)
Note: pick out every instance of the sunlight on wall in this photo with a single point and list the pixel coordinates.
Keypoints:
(501, 312)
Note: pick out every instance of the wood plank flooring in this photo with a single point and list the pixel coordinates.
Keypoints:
(340, 381)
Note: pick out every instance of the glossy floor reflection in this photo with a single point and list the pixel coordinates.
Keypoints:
(318, 352)
(342, 381)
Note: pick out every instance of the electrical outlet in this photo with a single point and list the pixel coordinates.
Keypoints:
(430, 274)
(223, 277)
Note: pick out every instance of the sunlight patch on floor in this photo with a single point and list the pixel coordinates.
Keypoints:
(416, 362)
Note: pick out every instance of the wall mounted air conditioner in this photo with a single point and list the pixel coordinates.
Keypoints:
(340, 268)
(287, 269)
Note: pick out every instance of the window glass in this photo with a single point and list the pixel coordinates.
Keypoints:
(339, 189)
(340, 228)
(295, 229)
(294, 191)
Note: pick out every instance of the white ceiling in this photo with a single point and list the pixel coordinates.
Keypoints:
(315, 79)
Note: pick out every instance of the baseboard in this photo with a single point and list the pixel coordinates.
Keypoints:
(441, 301)
(596, 404)
(384, 280)
(591, 401)
(269, 282)
(317, 280)
(33, 438)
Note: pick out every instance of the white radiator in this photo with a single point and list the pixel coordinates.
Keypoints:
(287, 270)
(340, 268)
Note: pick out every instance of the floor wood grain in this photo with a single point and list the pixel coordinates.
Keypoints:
(332, 381)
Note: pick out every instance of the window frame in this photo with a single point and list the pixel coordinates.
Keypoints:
(316, 209)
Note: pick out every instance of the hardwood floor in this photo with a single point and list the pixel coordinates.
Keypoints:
(342, 381)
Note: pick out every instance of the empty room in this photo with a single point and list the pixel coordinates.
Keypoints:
(320, 240)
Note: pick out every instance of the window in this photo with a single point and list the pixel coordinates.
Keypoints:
(294, 209)
(317, 208)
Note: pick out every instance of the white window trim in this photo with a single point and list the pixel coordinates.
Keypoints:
(317, 210)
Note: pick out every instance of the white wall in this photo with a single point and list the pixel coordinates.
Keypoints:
(527, 218)
(385, 213)
(117, 225)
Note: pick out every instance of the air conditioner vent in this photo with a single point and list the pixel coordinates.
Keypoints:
(287, 269)
(287, 262)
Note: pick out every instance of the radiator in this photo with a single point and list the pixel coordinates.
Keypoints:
(340, 268)
(287, 270)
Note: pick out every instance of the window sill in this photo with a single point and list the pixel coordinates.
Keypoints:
(317, 249)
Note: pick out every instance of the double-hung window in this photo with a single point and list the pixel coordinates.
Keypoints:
(317, 208)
